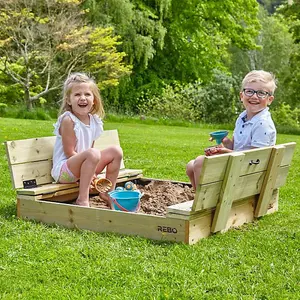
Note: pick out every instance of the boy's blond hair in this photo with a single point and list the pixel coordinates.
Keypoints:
(261, 76)
(76, 78)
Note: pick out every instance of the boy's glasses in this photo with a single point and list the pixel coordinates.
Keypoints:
(260, 94)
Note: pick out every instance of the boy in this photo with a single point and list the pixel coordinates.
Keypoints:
(254, 127)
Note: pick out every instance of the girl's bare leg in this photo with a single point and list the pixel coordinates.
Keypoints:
(83, 166)
(111, 158)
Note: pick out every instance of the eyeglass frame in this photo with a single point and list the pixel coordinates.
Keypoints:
(256, 92)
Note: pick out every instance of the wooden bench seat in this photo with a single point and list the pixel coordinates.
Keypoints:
(233, 189)
(30, 163)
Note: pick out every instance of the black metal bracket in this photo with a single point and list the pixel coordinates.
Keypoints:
(28, 184)
(252, 162)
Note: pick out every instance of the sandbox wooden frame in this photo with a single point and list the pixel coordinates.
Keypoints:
(233, 189)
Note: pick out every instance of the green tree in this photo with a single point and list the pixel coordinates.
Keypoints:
(42, 41)
(274, 52)
(291, 14)
(174, 40)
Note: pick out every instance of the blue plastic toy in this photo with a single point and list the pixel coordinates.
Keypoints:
(129, 186)
(219, 135)
(124, 200)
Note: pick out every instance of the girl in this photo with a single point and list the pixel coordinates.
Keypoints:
(76, 129)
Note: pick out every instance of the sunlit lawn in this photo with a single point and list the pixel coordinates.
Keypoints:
(259, 261)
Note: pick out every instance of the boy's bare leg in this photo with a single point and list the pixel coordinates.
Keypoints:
(193, 170)
(190, 173)
(198, 163)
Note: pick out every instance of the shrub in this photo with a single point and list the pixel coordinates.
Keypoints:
(284, 115)
(216, 102)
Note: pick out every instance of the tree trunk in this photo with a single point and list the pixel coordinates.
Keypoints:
(27, 99)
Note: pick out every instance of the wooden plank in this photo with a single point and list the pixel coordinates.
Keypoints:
(248, 185)
(32, 158)
(35, 149)
(214, 167)
(102, 220)
(288, 153)
(124, 175)
(184, 208)
(109, 138)
(241, 212)
(223, 207)
(40, 171)
(270, 180)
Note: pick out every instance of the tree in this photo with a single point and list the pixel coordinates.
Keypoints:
(274, 52)
(291, 14)
(43, 41)
(175, 40)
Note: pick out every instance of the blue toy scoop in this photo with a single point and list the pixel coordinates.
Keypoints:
(219, 135)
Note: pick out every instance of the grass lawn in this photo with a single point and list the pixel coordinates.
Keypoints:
(261, 260)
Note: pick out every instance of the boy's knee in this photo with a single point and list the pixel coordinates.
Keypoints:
(189, 167)
(198, 162)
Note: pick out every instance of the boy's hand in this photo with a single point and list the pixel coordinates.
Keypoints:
(214, 150)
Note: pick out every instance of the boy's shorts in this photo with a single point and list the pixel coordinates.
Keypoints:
(66, 176)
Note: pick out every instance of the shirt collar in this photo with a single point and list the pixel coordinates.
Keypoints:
(244, 116)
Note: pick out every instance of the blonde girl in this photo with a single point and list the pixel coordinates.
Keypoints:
(77, 127)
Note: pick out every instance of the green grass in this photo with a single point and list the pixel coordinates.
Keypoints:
(261, 260)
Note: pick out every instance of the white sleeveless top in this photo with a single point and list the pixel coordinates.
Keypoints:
(85, 136)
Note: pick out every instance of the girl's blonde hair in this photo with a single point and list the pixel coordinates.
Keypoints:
(261, 76)
(76, 78)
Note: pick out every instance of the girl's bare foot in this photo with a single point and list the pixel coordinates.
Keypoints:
(106, 197)
(82, 203)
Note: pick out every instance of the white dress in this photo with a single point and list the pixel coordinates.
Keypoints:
(85, 136)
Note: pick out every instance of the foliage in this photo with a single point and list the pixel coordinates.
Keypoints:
(275, 49)
(216, 102)
(291, 13)
(39, 261)
(169, 41)
(198, 34)
(284, 115)
(21, 112)
(271, 5)
(139, 23)
(172, 103)
(42, 42)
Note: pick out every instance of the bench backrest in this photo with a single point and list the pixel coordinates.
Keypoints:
(32, 158)
(231, 177)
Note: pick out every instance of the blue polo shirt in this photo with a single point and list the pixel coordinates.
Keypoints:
(258, 132)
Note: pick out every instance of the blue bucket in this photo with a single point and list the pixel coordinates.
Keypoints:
(128, 201)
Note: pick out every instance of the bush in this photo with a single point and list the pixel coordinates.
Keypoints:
(21, 112)
(284, 116)
(216, 102)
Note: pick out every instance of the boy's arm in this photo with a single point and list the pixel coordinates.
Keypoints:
(228, 143)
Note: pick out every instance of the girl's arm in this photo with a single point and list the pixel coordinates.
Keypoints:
(68, 136)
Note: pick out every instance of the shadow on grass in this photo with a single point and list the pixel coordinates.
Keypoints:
(9, 210)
